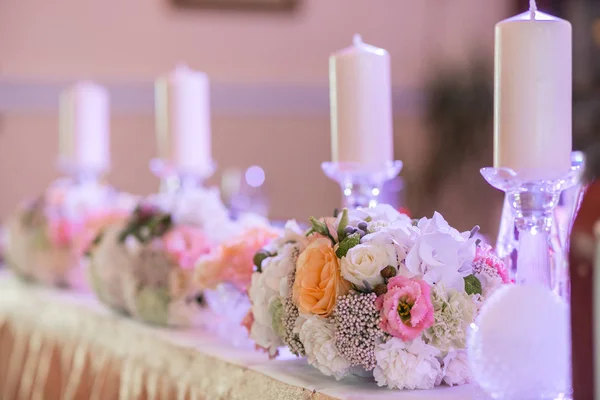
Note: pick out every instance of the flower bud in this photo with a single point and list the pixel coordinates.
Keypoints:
(388, 272)
(380, 289)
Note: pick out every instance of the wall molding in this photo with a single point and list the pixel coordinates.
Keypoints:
(22, 96)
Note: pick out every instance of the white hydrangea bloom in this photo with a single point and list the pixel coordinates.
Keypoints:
(441, 255)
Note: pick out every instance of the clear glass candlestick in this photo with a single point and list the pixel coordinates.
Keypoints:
(564, 214)
(361, 184)
(173, 180)
(540, 258)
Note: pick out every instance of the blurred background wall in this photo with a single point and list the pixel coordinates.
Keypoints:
(47, 44)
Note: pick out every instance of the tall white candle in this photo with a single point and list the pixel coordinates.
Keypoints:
(183, 121)
(532, 105)
(361, 105)
(84, 134)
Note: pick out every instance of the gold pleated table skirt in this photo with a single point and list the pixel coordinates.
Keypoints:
(64, 345)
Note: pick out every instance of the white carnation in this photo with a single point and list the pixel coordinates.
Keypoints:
(407, 365)
(454, 311)
(456, 368)
(441, 254)
(318, 337)
(364, 262)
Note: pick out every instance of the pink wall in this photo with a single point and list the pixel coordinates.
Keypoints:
(135, 40)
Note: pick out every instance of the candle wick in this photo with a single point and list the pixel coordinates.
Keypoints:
(532, 8)
(357, 39)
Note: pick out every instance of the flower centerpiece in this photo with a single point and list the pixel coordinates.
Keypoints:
(372, 290)
(146, 265)
(46, 239)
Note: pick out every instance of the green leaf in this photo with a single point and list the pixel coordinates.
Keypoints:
(310, 232)
(342, 225)
(349, 242)
(260, 256)
(472, 285)
(319, 227)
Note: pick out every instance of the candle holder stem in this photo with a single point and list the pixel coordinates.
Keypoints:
(361, 184)
(172, 180)
(540, 258)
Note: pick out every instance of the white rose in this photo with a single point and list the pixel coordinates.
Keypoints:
(318, 337)
(441, 254)
(364, 262)
(456, 368)
(406, 365)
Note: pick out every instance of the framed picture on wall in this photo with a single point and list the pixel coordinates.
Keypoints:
(239, 4)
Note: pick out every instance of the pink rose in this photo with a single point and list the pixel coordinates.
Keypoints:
(406, 308)
(187, 244)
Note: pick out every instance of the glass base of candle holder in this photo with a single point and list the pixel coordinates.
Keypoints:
(80, 174)
(540, 255)
(173, 180)
(361, 184)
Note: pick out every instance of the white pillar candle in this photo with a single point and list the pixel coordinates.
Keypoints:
(84, 134)
(183, 121)
(361, 105)
(532, 105)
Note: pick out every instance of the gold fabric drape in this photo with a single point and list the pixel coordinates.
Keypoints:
(58, 345)
(63, 345)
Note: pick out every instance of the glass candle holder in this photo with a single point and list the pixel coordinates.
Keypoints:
(361, 184)
(173, 180)
(540, 258)
(564, 215)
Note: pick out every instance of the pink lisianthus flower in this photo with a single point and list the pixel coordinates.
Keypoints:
(487, 263)
(406, 308)
(187, 245)
(62, 231)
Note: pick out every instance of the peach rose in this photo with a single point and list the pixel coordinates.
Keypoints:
(233, 261)
(318, 280)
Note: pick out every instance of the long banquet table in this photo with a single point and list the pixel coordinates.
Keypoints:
(65, 345)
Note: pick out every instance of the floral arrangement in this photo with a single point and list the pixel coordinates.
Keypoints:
(372, 290)
(148, 264)
(46, 239)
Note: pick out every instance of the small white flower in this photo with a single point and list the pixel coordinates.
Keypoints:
(364, 262)
(407, 365)
(456, 368)
(318, 337)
